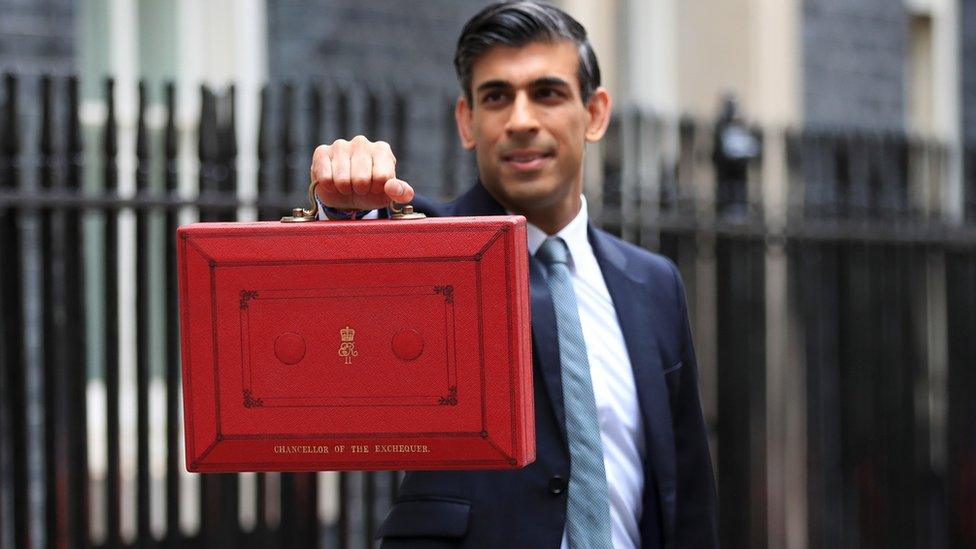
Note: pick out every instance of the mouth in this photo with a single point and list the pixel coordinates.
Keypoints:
(527, 160)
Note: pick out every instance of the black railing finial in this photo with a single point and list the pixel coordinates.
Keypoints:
(207, 140)
(171, 139)
(142, 143)
(75, 145)
(110, 144)
(46, 137)
(228, 141)
(11, 131)
(286, 137)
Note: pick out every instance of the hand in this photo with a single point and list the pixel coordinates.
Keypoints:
(357, 175)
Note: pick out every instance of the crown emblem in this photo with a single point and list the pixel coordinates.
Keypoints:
(347, 349)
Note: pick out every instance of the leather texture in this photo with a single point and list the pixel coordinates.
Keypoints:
(356, 345)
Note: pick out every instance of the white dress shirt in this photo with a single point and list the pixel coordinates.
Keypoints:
(621, 427)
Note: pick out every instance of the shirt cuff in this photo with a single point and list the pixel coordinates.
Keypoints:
(335, 214)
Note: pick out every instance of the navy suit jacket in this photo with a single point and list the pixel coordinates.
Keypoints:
(527, 507)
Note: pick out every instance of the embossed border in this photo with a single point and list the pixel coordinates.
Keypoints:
(249, 298)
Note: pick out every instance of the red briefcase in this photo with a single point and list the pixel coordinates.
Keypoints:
(356, 345)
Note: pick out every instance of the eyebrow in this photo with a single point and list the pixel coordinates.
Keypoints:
(502, 84)
(549, 81)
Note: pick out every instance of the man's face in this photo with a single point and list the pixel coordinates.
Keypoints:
(528, 126)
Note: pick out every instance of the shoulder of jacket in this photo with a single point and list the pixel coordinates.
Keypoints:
(653, 263)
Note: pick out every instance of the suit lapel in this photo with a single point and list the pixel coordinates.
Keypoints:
(632, 297)
(545, 342)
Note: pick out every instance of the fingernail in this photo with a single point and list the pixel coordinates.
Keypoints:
(399, 188)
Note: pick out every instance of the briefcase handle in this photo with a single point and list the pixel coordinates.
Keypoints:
(301, 215)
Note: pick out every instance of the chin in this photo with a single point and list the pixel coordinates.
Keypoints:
(526, 193)
(527, 197)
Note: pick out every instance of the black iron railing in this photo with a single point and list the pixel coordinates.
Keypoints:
(834, 327)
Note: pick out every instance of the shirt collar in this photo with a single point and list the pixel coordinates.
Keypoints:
(574, 234)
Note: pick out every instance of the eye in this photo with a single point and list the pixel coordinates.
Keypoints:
(549, 94)
(492, 97)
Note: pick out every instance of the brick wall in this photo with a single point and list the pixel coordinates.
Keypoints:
(379, 42)
(854, 59)
(37, 36)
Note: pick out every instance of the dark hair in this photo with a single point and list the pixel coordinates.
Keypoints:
(517, 24)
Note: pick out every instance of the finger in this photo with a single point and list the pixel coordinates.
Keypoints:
(398, 190)
(360, 165)
(321, 171)
(384, 166)
(339, 153)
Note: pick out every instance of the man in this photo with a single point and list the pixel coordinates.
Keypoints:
(622, 456)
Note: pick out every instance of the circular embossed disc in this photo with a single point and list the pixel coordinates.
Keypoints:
(289, 348)
(408, 344)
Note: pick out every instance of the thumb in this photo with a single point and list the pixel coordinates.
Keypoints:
(398, 190)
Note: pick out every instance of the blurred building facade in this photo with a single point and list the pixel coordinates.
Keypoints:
(38, 36)
(868, 69)
(875, 64)
(872, 65)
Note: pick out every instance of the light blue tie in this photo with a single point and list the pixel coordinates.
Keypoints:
(588, 508)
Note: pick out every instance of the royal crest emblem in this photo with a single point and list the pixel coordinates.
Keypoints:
(347, 348)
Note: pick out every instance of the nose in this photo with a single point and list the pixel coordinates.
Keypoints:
(522, 118)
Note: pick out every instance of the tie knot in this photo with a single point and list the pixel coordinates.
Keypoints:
(553, 251)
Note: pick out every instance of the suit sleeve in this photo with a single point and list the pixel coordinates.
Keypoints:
(696, 524)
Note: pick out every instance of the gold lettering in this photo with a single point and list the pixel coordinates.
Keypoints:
(300, 449)
(401, 449)
(354, 448)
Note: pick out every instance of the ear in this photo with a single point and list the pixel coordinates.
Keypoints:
(598, 109)
(463, 116)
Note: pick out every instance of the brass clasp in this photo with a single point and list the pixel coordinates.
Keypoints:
(301, 215)
(404, 211)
